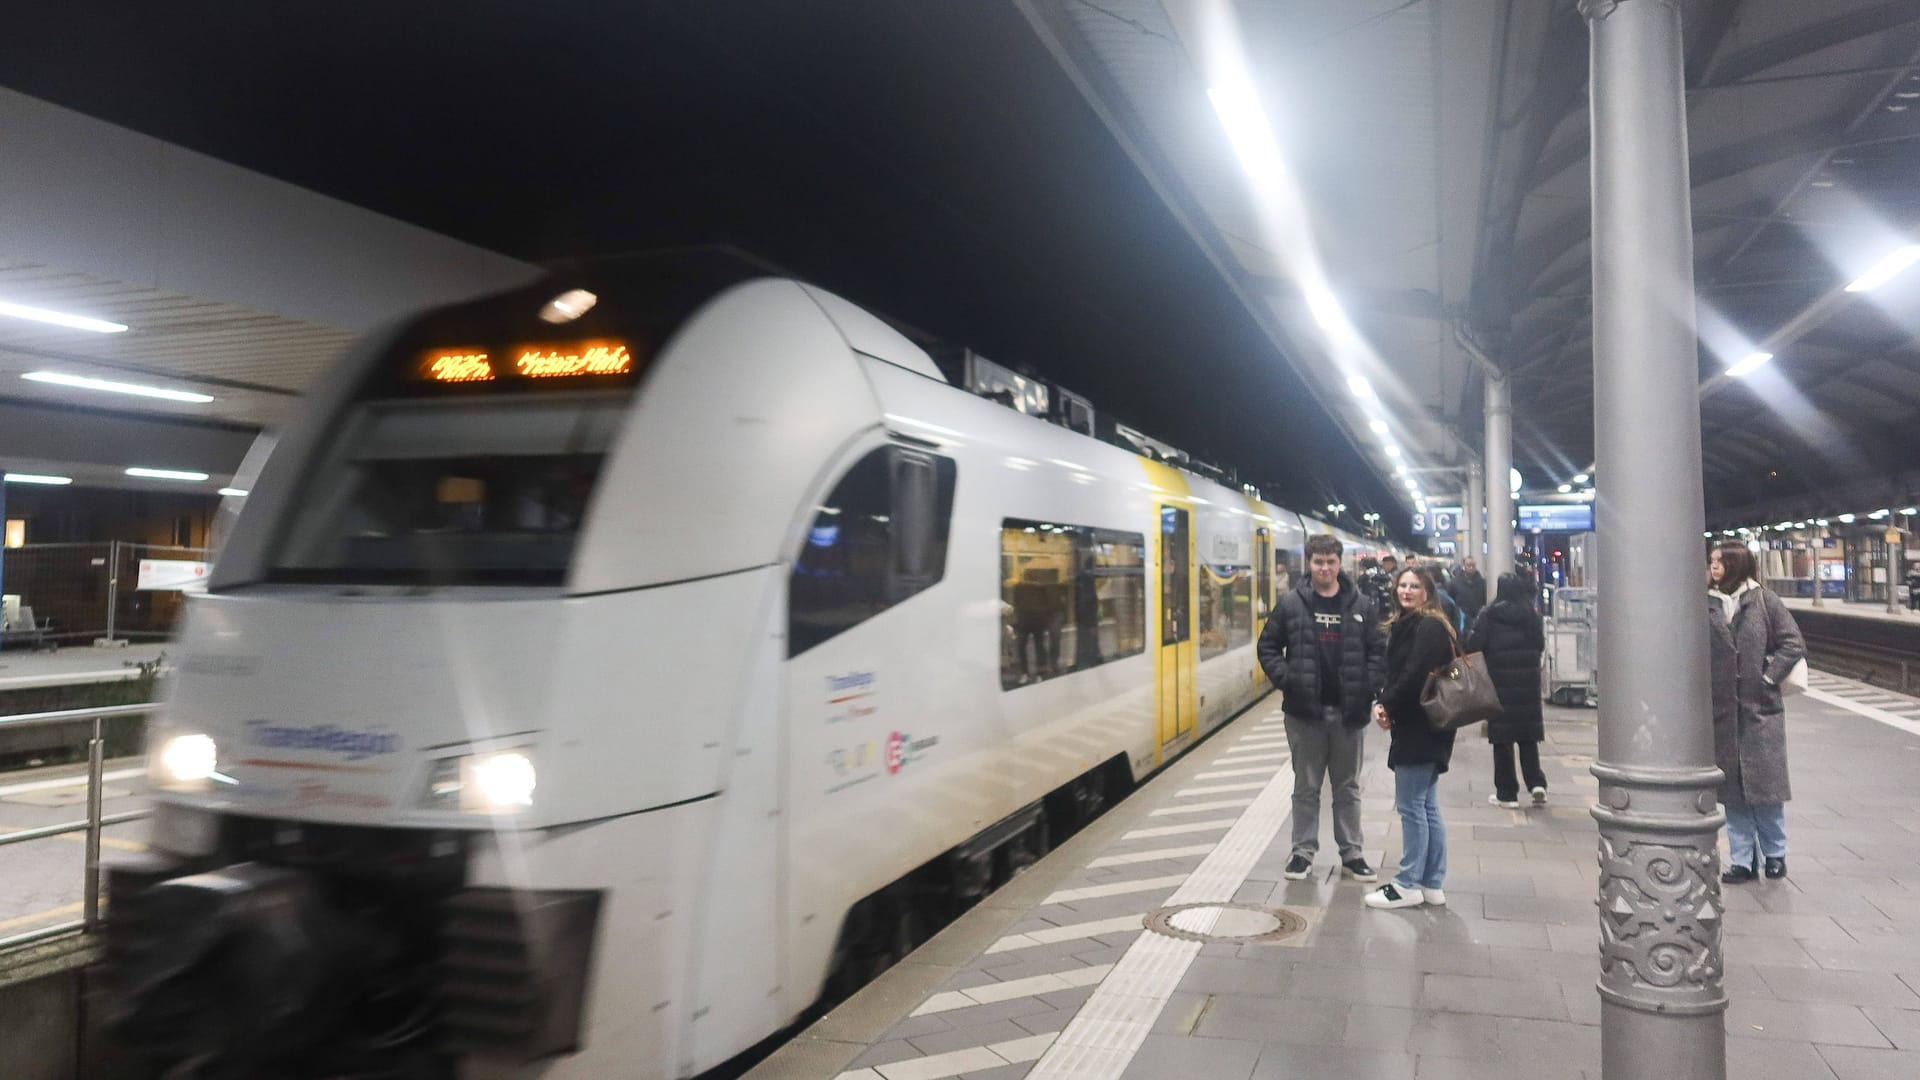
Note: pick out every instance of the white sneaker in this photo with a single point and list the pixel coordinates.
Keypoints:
(1434, 897)
(1390, 896)
(1504, 804)
(1539, 796)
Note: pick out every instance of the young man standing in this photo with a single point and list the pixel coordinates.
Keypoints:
(1469, 591)
(1324, 651)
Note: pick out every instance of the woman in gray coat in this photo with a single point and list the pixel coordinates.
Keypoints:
(1754, 645)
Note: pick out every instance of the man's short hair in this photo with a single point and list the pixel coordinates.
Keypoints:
(1324, 544)
(1385, 559)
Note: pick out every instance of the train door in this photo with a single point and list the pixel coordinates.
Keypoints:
(1262, 590)
(1174, 670)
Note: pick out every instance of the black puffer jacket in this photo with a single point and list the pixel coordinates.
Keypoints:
(1508, 634)
(1416, 646)
(1290, 653)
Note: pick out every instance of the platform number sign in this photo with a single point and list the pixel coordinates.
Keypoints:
(1436, 523)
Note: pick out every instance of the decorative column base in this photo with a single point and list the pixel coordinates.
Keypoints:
(1661, 971)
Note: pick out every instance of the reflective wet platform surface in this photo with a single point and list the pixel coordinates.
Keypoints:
(1057, 975)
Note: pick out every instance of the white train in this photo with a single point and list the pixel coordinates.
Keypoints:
(584, 692)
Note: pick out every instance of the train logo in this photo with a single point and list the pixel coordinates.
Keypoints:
(904, 749)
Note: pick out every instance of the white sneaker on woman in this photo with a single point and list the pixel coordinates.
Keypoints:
(1392, 896)
(1434, 897)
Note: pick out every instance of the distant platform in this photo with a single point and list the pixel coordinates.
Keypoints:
(1854, 609)
(74, 666)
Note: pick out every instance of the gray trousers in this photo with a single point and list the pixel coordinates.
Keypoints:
(1325, 750)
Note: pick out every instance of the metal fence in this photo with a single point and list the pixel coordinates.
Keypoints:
(80, 592)
(92, 825)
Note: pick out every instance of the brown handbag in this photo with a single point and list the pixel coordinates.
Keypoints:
(1461, 693)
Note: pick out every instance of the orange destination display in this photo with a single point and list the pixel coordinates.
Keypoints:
(586, 358)
(581, 360)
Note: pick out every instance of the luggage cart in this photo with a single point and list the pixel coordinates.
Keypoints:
(1572, 630)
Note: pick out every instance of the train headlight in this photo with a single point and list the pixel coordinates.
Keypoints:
(185, 761)
(499, 782)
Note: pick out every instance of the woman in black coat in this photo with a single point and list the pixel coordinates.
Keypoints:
(1508, 634)
(1419, 640)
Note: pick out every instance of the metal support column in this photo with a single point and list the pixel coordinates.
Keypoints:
(1895, 549)
(1659, 892)
(113, 587)
(1476, 512)
(1819, 548)
(1499, 465)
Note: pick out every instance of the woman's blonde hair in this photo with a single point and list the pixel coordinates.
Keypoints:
(1431, 607)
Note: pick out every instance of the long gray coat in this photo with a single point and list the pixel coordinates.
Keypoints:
(1749, 722)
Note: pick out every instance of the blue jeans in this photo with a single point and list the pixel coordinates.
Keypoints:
(1423, 836)
(1750, 822)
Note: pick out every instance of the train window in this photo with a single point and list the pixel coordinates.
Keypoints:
(1071, 597)
(1226, 609)
(451, 492)
(879, 538)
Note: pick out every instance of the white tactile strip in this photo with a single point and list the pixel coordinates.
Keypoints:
(1102, 1038)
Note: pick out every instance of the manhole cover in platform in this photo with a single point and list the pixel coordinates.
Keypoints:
(1226, 922)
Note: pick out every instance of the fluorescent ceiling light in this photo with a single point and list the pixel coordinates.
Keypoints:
(1822, 522)
(60, 318)
(1846, 519)
(82, 382)
(1360, 386)
(1248, 131)
(1581, 478)
(1566, 489)
(1909, 511)
(1393, 451)
(1379, 427)
(1878, 514)
(234, 492)
(1748, 363)
(1886, 269)
(1326, 308)
(36, 478)
(166, 474)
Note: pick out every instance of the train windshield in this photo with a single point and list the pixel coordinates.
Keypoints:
(450, 491)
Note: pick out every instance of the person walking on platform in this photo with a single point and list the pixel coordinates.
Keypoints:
(1509, 635)
(1469, 589)
(1755, 645)
(1324, 652)
(1419, 641)
(1913, 586)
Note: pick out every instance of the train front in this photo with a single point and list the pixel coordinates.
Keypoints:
(464, 763)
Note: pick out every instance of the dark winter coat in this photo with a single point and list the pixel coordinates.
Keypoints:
(1290, 654)
(1510, 637)
(1416, 647)
(1469, 589)
(1750, 658)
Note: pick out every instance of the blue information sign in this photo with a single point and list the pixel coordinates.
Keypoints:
(1557, 517)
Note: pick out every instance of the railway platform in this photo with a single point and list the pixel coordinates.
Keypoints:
(1059, 973)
